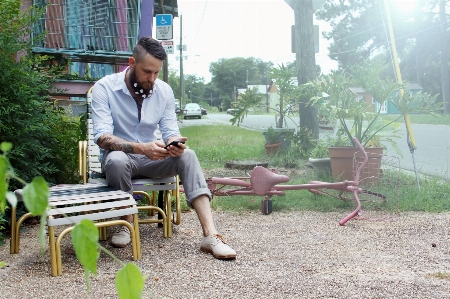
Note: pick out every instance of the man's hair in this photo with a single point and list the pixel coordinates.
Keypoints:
(148, 45)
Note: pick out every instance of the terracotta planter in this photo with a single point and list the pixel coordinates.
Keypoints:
(272, 148)
(342, 165)
(281, 132)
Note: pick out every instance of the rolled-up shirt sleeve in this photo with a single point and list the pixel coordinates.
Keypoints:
(101, 112)
(168, 125)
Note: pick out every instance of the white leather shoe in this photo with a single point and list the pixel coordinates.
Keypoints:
(216, 245)
(122, 237)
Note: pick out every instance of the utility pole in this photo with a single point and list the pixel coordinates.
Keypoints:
(165, 62)
(305, 61)
(246, 81)
(181, 62)
(267, 93)
(444, 58)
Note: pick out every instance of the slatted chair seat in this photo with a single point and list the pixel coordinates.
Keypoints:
(70, 204)
(158, 191)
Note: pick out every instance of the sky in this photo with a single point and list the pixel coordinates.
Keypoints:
(215, 29)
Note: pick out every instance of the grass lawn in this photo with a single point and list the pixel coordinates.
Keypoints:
(216, 145)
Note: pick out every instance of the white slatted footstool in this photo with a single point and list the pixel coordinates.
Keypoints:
(69, 204)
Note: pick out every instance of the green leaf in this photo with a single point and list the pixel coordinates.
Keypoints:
(35, 196)
(130, 282)
(6, 146)
(85, 241)
(3, 182)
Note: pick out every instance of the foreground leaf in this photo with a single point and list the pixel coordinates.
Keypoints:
(85, 238)
(6, 146)
(3, 182)
(85, 242)
(130, 282)
(35, 196)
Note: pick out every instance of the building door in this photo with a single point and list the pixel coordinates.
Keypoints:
(383, 107)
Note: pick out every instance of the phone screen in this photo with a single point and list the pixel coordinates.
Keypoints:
(175, 143)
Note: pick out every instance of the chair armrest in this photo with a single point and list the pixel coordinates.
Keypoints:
(82, 160)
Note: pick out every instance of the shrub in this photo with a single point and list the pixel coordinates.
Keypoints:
(44, 136)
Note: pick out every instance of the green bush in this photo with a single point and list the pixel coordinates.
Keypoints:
(44, 136)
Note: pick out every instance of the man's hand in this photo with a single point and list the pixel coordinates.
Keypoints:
(175, 151)
(154, 150)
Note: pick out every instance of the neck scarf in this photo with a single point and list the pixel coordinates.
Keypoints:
(139, 95)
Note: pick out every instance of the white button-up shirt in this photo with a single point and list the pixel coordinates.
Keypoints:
(114, 111)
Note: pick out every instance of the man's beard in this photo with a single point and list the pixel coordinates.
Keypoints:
(138, 89)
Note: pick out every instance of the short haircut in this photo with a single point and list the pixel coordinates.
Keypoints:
(148, 45)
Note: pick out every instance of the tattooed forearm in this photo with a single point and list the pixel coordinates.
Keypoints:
(113, 143)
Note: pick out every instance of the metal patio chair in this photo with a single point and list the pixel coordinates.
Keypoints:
(150, 188)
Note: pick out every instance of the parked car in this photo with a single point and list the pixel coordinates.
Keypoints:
(192, 110)
(204, 111)
(231, 111)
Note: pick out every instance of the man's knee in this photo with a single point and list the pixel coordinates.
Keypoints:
(117, 163)
(188, 156)
(117, 168)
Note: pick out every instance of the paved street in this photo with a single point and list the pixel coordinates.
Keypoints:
(433, 142)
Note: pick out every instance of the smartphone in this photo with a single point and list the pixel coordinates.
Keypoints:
(175, 143)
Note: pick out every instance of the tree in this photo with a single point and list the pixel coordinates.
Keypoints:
(357, 30)
(174, 82)
(305, 62)
(195, 88)
(359, 33)
(212, 94)
(230, 74)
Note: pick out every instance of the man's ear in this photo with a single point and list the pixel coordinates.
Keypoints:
(131, 61)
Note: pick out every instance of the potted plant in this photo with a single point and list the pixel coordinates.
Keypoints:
(320, 159)
(358, 118)
(327, 120)
(287, 92)
(319, 156)
(273, 143)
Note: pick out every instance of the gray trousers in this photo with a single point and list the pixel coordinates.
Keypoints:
(120, 168)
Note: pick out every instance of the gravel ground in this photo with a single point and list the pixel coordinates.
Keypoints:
(281, 255)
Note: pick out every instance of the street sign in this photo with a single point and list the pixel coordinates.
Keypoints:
(168, 46)
(164, 28)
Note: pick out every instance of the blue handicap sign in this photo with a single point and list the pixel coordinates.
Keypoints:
(163, 20)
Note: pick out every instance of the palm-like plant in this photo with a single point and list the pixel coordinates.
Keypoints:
(358, 118)
(246, 101)
(287, 90)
